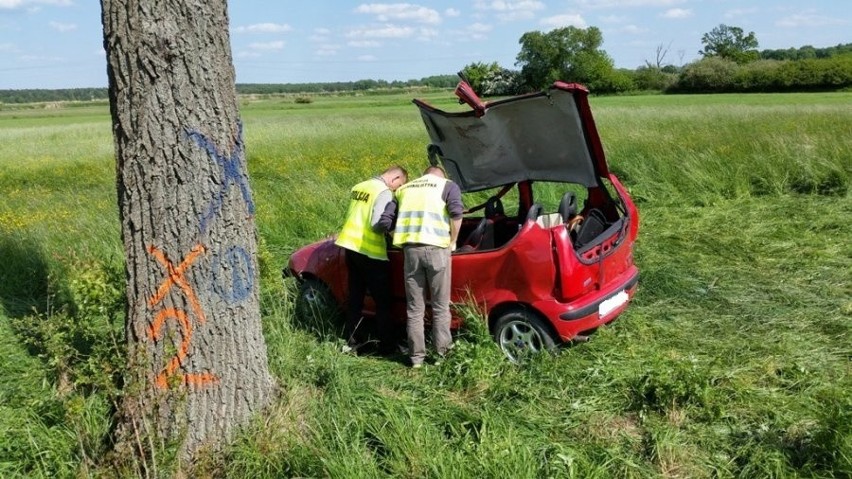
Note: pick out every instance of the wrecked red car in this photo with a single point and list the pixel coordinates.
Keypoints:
(546, 245)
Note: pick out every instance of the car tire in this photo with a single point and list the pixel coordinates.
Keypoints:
(520, 333)
(316, 309)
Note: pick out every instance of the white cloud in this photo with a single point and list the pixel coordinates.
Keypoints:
(510, 10)
(451, 12)
(16, 4)
(739, 12)
(42, 59)
(426, 33)
(633, 29)
(366, 58)
(809, 20)
(320, 35)
(264, 28)
(386, 12)
(63, 27)
(677, 13)
(508, 5)
(386, 31)
(515, 16)
(364, 43)
(276, 45)
(565, 20)
(613, 19)
(475, 31)
(327, 50)
(628, 3)
(480, 28)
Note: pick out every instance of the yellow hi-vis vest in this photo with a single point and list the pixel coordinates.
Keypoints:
(357, 233)
(422, 216)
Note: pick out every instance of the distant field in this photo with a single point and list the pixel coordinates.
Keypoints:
(733, 360)
(674, 148)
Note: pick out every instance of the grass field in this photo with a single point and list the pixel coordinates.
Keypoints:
(733, 361)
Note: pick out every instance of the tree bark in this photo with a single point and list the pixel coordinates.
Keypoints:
(196, 354)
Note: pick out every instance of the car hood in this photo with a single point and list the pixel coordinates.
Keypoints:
(544, 136)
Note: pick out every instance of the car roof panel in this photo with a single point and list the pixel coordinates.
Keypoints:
(538, 137)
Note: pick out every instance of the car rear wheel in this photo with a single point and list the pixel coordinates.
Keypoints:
(521, 333)
(316, 309)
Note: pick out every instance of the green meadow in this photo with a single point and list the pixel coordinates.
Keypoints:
(732, 361)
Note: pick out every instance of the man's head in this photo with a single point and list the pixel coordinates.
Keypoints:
(394, 177)
(435, 170)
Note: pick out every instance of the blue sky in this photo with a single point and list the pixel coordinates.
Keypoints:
(58, 43)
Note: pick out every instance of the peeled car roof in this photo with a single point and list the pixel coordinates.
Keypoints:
(542, 136)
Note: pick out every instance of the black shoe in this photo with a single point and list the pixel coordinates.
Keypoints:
(387, 349)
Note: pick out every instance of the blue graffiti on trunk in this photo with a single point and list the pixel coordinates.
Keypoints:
(231, 170)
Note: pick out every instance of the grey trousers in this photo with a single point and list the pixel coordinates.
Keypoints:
(427, 267)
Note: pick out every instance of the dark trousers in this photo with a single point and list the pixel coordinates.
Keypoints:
(373, 275)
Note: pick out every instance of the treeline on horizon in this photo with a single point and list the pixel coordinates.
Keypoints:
(96, 94)
(780, 70)
(776, 70)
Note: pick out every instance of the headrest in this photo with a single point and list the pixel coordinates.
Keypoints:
(494, 207)
(568, 205)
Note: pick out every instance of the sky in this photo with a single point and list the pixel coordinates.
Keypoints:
(59, 43)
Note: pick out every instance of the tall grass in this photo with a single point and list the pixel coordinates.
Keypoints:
(733, 360)
(703, 153)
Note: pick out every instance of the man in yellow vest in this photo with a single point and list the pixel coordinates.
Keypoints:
(371, 214)
(427, 227)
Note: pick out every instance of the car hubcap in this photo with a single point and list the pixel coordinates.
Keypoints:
(314, 298)
(311, 296)
(519, 337)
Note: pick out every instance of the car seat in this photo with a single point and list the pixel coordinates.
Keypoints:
(482, 237)
(475, 240)
(568, 213)
(593, 225)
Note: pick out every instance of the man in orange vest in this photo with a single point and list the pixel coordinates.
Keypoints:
(427, 227)
(371, 214)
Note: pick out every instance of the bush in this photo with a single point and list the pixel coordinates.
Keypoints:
(717, 75)
(709, 75)
(816, 74)
(761, 75)
(613, 81)
(501, 82)
(652, 78)
(81, 342)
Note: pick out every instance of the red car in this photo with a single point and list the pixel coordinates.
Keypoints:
(546, 250)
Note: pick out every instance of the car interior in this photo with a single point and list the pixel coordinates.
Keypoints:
(587, 228)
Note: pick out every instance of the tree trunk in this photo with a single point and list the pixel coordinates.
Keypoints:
(196, 354)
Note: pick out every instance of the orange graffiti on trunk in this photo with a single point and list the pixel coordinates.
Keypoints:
(175, 276)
